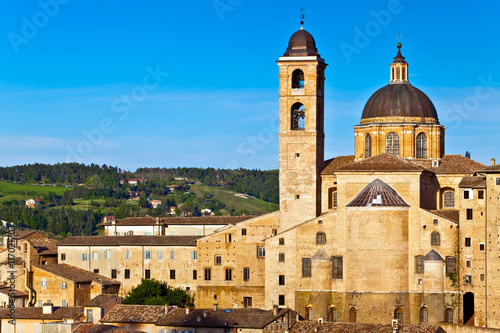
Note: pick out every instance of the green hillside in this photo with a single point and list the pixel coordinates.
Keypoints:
(13, 191)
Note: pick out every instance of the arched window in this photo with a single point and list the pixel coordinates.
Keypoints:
(423, 314)
(392, 73)
(448, 316)
(421, 146)
(332, 197)
(309, 312)
(435, 238)
(332, 314)
(449, 199)
(397, 73)
(368, 145)
(352, 314)
(298, 79)
(404, 73)
(298, 116)
(392, 144)
(320, 238)
(398, 314)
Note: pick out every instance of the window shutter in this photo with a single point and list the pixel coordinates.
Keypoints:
(160, 254)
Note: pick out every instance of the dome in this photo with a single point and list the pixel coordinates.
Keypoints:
(301, 44)
(395, 101)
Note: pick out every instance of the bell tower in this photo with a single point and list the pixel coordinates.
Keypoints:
(301, 134)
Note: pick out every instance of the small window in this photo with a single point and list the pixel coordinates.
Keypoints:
(332, 315)
(419, 264)
(306, 267)
(281, 300)
(448, 316)
(172, 274)
(481, 247)
(194, 255)
(392, 144)
(63, 256)
(467, 241)
(217, 259)
(468, 279)
(147, 274)
(243, 232)
(247, 302)
(298, 79)
(246, 274)
(85, 256)
(228, 237)
(297, 197)
(320, 238)
(297, 155)
(468, 263)
(436, 238)
(64, 285)
(261, 251)
(96, 271)
(127, 254)
(498, 181)
(160, 254)
(127, 274)
(368, 146)
(424, 315)
(107, 254)
(298, 116)
(469, 213)
(147, 254)
(435, 221)
(228, 274)
(467, 194)
(449, 199)
(195, 274)
(480, 194)
(337, 268)
(481, 277)
(64, 302)
(172, 254)
(207, 274)
(113, 273)
(281, 257)
(95, 255)
(281, 241)
(451, 265)
(421, 146)
(281, 280)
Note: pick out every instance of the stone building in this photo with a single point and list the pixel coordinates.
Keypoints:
(398, 230)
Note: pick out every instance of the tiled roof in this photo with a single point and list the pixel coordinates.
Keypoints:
(433, 256)
(452, 164)
(493, 168)
(44, 246)
(337, 162)
(473, 182)
(98, 328)
(138, 240)
(377, 194)
(76, 274)
(202, 220)
(313, 327)
(20, 234)
(246, 317)
(382, 162)
(17, 293)
(59, 313)
(123, 313)
(450, 214)
(100, 300)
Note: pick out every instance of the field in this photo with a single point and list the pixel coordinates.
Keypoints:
(9, 191)
(236, 200)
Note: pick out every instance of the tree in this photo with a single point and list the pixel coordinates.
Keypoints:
(154, 292)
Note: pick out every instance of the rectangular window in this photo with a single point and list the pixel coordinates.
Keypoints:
(261, 251)
(481, 277)
(63, 256)
(466, 194)
(467, 241)
(468, 263)
(195, 274)
(480, 194)
(208, 274)
(481, 247)
(172, 255)
(107, 254)
(281, 280)
(281, 257)
(281, 241)
(451, 265)
(96, 271)
(194, 255)
(217, 259)
(243, 232)
(147, 274)
(306, 267)
(469, 213)
(172, 274)
(127, 274)
(229, 274)
(96, 255)
(468, 279)
(337, 268)
(419, 264)
(64, 285)
(247, 302)
(64, 302)
(281, 300)
(147, 254)
(246, 273)
(85, 256)
(228, 237)
(113, 273)
(160, 254)
(127, 254)
(498, 181)
(43, 283)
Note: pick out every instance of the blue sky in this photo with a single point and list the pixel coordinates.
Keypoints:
(195, 83)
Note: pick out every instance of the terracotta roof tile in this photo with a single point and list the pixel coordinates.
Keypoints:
(100, 300)
(336, 162)
(44, 246)
(59, 313)
(76, 274)
(130, 240)
(98, 328)
(473, 182)
(17, 293)
(377, 194)
(493, 168)
(453, 164)
(382, 162)
(207, 220)
(313, 327)
(433, 256)
(450, 214)
(123, 313)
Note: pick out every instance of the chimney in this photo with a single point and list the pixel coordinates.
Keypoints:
(205, 314)
(215, 306)
(187, 310)
(493, 162)
(47, 308)
(157, 220)
(166, 308)
(275, 310)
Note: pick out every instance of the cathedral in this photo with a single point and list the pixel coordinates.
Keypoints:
(398, 230)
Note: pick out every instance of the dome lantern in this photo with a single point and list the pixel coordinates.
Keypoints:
(399, 68)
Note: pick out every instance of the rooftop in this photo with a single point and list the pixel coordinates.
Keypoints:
(314, 327)
(59, 313)
(138, 240)
(452, 164)
(380, 163)
(44, 246)
(101, 299)
(123, 313)
(378, 194)
(473, 182)
(76, 274)
(202, 220)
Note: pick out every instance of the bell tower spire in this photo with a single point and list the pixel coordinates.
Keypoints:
(399, 67)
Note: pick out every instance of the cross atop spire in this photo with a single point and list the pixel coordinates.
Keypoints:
(302, 16)
(399, 37)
